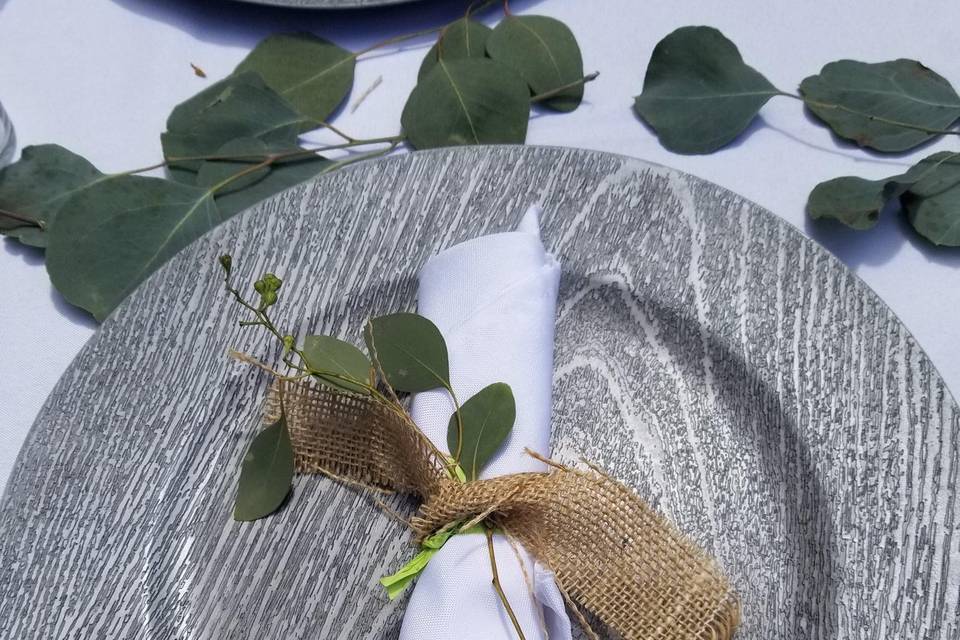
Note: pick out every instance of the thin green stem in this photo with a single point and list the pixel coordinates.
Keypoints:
(287, 155)
(21, 218)
(870, 116)
(246, 171)
(440, 38)
(327, 125)
(456, 412)
(396, 39)
(282, 155)
(141, 169)
(363, 156)
(497, 586)
(590, 77)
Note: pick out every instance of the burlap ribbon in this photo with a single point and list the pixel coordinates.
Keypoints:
(610, 552)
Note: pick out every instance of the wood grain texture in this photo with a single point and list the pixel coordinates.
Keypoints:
(734, 373)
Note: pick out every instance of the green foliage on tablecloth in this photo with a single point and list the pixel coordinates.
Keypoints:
(464, 38)
(699, 95)
(467, 101)
(545, 53)
(237, 142)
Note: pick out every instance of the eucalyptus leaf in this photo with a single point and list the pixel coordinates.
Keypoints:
(467, 101)
(179, 174)
(240, 106)
(932, 201)
(698, 94)
(245, 191)
(36, 186)
(313, 74)
(247, 153)
(111, 235)
(326, 353)
(410, 350)
(856, 202)
(544, 52)
(266, 474)
(854, 98)
(282, 176)
(487, 420)
(464, 38)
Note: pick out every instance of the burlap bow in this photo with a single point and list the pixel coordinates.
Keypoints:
(610, 552)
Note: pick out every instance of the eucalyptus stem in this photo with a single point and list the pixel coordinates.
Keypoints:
(283, 155)
(131, 172)
(243, 172)
(870, 116)
(497, 586)
(590, 77)
(363, 156)
(456, 412)
(263, 320)
(21, 218)
(396, 39)
(293, 153)
(326, 125)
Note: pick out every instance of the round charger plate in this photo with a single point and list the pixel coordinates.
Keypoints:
(736, 375)
(327, 4)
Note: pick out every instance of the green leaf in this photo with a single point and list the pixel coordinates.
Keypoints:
(464, 38)
(260, 184)
(313, 74)
(36, 186)
(326, 353)
(487, 419)
(113, 234)
(185, 176)
(544, 52)
(467, 101)
(932, 201)
(850, 96)
(281, 177)
(856, 202)
(410, 350)
(240, 106)
(698, 94)
(248, 153)
(267, 473)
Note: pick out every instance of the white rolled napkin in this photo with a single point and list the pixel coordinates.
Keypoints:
(494, 299)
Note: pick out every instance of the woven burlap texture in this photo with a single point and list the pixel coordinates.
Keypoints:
(611, 553)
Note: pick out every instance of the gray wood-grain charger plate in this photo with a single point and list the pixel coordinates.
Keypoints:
(730, 370)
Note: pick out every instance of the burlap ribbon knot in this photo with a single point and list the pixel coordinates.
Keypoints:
(611, 553)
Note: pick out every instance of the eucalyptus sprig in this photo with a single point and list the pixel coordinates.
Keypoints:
(237, 142)
(699, 95)
(406, 353)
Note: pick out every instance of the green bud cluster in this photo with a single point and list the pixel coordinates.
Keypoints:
(267, 287)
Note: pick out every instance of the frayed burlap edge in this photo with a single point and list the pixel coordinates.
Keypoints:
(611, 553)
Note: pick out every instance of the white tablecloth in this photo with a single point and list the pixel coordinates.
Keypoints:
(100, 77)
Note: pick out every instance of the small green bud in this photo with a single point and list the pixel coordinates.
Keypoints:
(260, 287)
(268, 298)
(226, 262)
(288, 344)
(272, 282)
